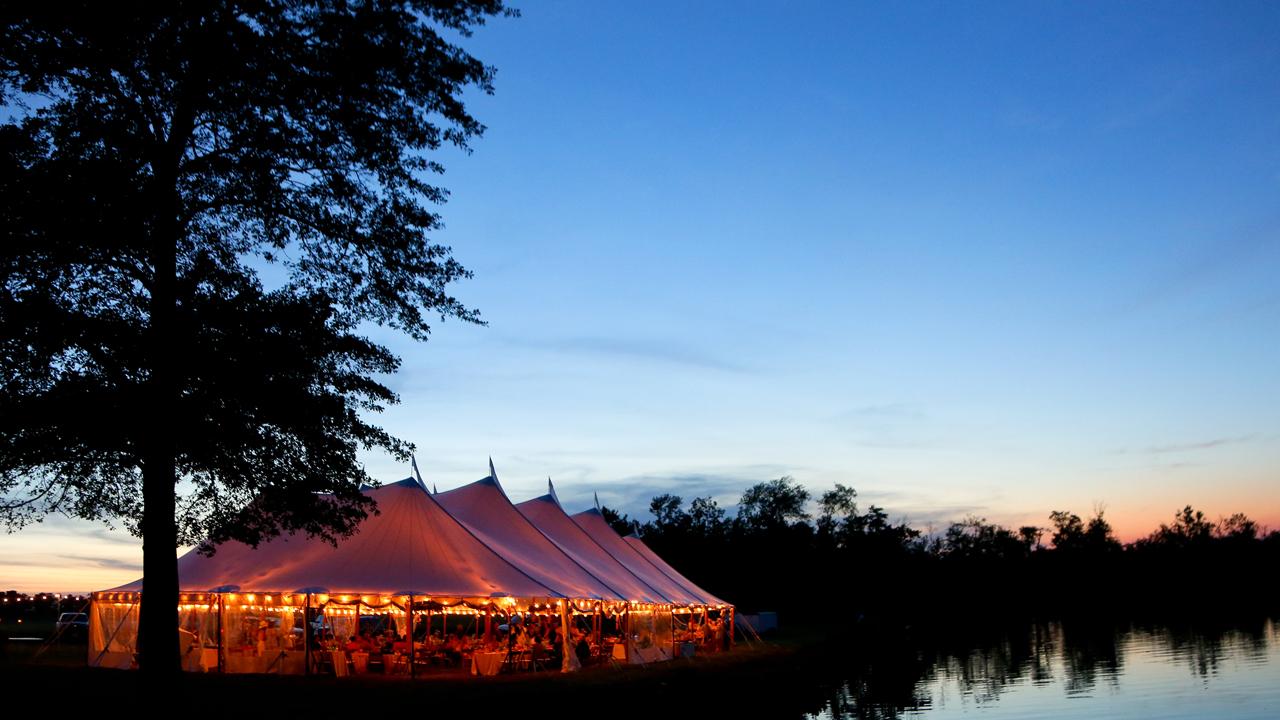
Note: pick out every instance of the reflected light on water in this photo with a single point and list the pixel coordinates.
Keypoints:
(1076, 670)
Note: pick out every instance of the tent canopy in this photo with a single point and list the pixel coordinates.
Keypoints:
(594, 525)
(483, 508)
(467, 542)
(547, 515)
(412, 545)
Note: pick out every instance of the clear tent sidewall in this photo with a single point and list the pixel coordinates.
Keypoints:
(267, 632)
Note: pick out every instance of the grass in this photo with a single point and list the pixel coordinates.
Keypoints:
(27, 628)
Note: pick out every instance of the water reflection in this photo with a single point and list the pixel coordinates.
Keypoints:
(1063, 669)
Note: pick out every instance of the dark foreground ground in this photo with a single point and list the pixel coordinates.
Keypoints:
(775, 678)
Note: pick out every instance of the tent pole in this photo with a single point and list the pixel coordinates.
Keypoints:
(222, 661)
(413, 651)
(626, 631)
(731, 610)
(675, 651)
(488, 624)
(306, 636)
(705, 618)
(567, 656)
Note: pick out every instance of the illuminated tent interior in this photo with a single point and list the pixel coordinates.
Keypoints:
(419, 562)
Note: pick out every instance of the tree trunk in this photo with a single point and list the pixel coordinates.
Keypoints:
(158, 622)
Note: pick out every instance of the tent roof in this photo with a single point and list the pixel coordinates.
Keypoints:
(411, 546)
(547, 515)
(485, 510)
(703, 596)
(594, 524)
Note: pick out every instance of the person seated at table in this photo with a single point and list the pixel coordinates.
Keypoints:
(387, 642)
(540, 655)
(452, 649)
(360, 643)
(554, 650)
(400, 644)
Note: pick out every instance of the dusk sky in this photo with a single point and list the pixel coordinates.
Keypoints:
(967, 258)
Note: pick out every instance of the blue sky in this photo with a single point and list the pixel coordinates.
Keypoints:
(967, 258)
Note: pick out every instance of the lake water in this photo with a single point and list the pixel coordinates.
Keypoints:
(1074, 670)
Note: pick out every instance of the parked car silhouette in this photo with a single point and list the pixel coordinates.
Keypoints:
(72, 625)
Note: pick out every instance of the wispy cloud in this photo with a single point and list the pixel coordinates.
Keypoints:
(65, 560)
(1201, 445)
(644, 350)
(62, 526)
(107, 563)
(1191, 446)
(1211, 262)
(939, 517)
(633, 494)
(894, 410)
(893, 425)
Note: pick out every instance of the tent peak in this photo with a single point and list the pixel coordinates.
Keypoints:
(413, 465)
(493, 480)
(546, 499)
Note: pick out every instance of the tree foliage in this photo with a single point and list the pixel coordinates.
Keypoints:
(1072, 534)
(201, 206)
(773, 505)
(783, 551)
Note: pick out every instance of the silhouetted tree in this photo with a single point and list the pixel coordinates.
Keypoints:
(1098, 536)
(834, 510)
(620, 523)
(1237, 527)
(974, 538)
(668, 515)
(156, 159)
(862, 557)
(706, 518)
(1189, 529)
(1030, 536)
(774, 504)
(1068, 530)
(1073, 535)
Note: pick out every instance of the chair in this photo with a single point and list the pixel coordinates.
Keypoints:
(538, 658)
(394, 664)
(518, 659)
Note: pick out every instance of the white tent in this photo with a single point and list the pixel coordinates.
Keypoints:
(467, 551)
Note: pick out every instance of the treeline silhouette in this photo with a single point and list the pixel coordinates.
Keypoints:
(846, 561)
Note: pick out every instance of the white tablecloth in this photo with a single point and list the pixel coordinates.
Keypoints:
(487, 663)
